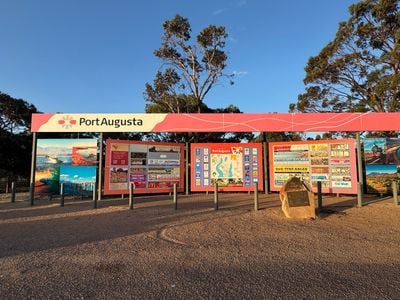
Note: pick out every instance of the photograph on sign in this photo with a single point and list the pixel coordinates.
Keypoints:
(77, 178)
(382, 163)
(61, 160)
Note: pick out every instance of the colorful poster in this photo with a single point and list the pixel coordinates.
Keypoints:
(330, 162)
(61, 161)
(77, 178)
(234, 167)
(382, 163)
(151, 167)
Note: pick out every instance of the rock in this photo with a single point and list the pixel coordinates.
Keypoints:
(297, 199)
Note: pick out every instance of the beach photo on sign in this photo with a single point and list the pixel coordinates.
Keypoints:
(77, 178)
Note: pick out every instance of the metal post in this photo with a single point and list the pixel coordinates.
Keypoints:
(395, 188)
(256, 196)
(99, 182)
(94, 195)
(82, 187)
(187, 168)
(33, 164)
(359, 160)
(7, 187)
(359, 194)
(360, 182)
(131, 193)
(13, 191)
(215, 195)
(265, 159)
(62, 194)
(175, 198)
(319, 191)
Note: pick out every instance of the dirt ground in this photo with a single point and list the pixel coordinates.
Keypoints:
(195, 252)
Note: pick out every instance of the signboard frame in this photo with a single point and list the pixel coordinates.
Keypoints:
(72, 162)
(314, 161)
(251, 164)
(130, 157)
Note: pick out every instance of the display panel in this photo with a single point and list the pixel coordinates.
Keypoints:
(69, 161)
(235, 167)
(382, 163)
(331, 162)
(152, 167)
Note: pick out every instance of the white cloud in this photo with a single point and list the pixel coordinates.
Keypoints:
(233, 40)
(240, 73)
(231, 6)
(218, 11)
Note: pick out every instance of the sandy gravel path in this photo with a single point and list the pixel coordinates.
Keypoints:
(155, 252)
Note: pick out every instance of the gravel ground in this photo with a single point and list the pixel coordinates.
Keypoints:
(156, 252)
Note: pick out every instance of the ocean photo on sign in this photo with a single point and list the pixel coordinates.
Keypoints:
(52, 155)
(77, 178)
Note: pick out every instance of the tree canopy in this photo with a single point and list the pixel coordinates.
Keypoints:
(15, 114)
(359, 70)
(191, 70)
(15, 140)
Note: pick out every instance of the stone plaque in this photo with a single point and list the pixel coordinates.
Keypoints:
(298, 198)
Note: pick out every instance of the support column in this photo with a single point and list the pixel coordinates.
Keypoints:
(99, 179)
(360, 183)
(265, 159)
(187, 155)
(33, 165)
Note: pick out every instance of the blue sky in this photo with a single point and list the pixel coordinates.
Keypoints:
(92, 56)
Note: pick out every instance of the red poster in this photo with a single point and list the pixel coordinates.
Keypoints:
(119, 158)
(151, 167)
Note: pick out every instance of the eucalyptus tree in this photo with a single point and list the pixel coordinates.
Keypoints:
(359, 70)
(190, 68)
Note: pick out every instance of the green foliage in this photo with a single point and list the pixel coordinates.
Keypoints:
(15, 114)
(190, 70)
(278, 137)
(15, 139)
(359, 70)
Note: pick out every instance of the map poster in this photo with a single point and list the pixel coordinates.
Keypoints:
(72, 162)
(330, 162)
(234, 167)
(382, 163)
(152, 167)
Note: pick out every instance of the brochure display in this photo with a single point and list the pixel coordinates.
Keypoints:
(235, 166)
(72, 162)
(382, 163)
(331, 162)
(152, 167)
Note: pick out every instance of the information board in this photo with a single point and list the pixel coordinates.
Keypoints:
(72, 162)
(382, 163)
(152, 167)
(234, 166)
(332, 162)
